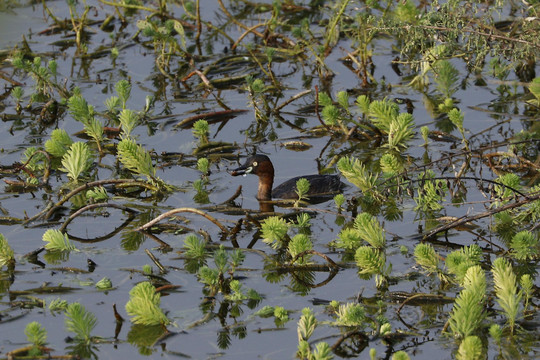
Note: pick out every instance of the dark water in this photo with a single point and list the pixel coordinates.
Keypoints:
(117, 257)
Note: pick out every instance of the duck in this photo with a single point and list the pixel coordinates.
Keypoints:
(322, 187)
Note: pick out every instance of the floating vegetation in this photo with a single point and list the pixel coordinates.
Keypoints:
(119, 140)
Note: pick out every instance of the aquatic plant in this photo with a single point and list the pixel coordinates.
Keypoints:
(302, 188)
(80, 321)
(144, 305)
(468, 312)
(274, 231)
(508, 297)
(471, 348)
(36, 334)
(136, 158)
(77, 160)
(7, 256)
(56, 241)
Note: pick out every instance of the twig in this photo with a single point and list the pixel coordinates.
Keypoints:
(246, 33)
(93, 206)
(201, 75)
(233, 19)
(297, 96)
(237, 193)
(180, 210)
(481, 215)
(47, 212)
(330, 262)
(156, 261)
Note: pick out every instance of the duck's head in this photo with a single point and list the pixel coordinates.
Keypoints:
(259, 165)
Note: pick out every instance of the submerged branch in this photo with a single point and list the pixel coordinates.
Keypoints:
(180, 210)
(466, 219)
(93, 206)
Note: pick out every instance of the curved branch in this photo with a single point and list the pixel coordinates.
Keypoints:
(466, 219)
(90, 207)
(180, 210)
(47, 212)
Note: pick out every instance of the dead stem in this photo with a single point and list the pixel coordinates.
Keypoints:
(466, 219)
(93, 206)
(47, 212)
(156, 261)
(330, 262)
(180, 210)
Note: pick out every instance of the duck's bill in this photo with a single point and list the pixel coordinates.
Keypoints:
(242, 170)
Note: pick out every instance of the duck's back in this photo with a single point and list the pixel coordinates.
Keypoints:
(320, 186)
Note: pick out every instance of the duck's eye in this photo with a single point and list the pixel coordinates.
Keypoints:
(255, 163)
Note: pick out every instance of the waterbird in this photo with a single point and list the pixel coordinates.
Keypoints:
(321, 187)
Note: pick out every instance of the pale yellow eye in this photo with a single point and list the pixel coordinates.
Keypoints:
(255, 163)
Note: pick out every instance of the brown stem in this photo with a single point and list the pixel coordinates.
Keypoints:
(180, 210)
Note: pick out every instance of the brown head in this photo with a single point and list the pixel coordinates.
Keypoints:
(261, 166)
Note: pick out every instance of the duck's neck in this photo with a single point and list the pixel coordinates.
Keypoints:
(265, 187)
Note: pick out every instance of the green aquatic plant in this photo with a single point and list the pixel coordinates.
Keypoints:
(56, 241)
(36, 162)
(496, 332)
(237, 293)
(299, 244)
(80, 321)
(505, 284)
(357, 173)
(400, 131)
(525, 246)
(302, 188)
(97, 194)
(59, 143)
(459, 261)
(83, 112)
(527, 287)
(195, 247)
(144, 305)
(306, 327)
(431, 193)
(370, 230)
(372, 261)
(426, 256)
(201, 131)
(274, 231)
(201, 196)
(506, 191)
(424, 131)
(57, 305)
(390, 165)
(17, 94)
(456, 117)
(216, 279)
(468, 313)
(534, 88)
(104, 284)
(339, 200)
(36, 334)
(42, 76)
(7, 256)
(351, 314)
(128, 121)
(136, 158)
(123, 90)
(303, 222)
(400, 355)
(471, 348)
(77, 160)
(446, 77)
(203, 165)
(163, 38)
